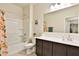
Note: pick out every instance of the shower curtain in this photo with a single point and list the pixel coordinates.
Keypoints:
(3, 42)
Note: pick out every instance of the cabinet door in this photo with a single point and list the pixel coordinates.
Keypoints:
(72, 51)
(47, 48)
(59, 49)
(39, 47)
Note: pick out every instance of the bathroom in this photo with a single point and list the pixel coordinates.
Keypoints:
(25, 23)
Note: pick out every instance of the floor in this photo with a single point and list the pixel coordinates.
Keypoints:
(24, 53)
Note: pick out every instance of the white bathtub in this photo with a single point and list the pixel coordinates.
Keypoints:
(13, 49)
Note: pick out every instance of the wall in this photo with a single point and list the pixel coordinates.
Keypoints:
(56, 19)
(39, 10)
(26, 22)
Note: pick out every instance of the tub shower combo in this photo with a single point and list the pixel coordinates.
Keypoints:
(3, 42)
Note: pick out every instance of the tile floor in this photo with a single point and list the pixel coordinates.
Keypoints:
(23, 53)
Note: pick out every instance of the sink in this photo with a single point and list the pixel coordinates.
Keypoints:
(72, 39)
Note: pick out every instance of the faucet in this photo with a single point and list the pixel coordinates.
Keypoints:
(69, 38)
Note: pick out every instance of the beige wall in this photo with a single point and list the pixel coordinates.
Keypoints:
(56, 19)
(39, 10)
(26, 21)
(11, 11)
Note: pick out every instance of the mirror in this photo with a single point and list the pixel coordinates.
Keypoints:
(64, 20)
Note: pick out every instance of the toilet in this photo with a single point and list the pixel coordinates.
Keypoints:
(30, 47)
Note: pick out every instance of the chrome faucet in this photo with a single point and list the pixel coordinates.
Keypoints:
(69, 38)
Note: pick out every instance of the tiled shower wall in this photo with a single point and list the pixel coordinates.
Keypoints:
(14, 27)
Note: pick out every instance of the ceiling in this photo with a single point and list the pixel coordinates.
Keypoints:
(24, 4)
(21, 4)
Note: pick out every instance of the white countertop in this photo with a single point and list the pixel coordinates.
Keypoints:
(59, 40)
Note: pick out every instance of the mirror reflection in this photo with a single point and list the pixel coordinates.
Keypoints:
(71, 24)
(64, 20)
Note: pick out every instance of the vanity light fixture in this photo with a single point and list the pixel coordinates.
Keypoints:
(58, 3)
(58, 6)
(53, 5)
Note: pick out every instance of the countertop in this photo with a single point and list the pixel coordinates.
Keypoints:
(59, 40)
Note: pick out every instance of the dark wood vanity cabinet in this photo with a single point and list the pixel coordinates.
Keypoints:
(39, 47)
(48, 48)
(59, 49)
(72, 51)
(43, 48)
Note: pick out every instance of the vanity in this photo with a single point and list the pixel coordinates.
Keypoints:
(62, 37)
(54, 46)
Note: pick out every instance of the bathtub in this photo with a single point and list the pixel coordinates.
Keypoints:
(13, 49)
